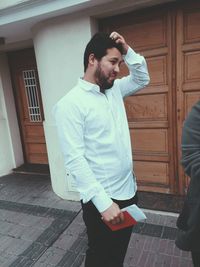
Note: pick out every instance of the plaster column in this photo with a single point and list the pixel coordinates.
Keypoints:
(59, 46)
(11, 154)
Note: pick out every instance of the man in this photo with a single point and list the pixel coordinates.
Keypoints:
(94, 135)
(189, 219)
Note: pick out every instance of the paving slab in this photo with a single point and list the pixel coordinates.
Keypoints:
(37, 228)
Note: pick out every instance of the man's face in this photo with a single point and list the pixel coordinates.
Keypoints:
(108, 68)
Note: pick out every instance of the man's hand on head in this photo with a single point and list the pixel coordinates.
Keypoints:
(119, 39)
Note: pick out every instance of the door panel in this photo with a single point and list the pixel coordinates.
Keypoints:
(29, 105)
(169, 38)
(149, 112)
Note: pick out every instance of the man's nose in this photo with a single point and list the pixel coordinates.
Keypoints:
(116, 68)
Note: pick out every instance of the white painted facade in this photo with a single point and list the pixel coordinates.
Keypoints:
(10, 145)
(59, 31)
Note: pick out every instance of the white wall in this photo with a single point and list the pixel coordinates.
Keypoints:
(10, 145)
(59, 45)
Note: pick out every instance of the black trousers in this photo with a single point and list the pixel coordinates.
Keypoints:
(106, 248)
(196, 258)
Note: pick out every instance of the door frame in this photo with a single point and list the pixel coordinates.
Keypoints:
(17, 65)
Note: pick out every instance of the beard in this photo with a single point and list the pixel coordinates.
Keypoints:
(103, 80)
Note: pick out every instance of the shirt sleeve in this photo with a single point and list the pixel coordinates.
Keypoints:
(138, 76)
(70, 127)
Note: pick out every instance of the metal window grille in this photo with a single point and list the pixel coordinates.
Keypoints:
(31, 90)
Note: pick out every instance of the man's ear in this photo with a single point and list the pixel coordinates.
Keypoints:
(91, 59)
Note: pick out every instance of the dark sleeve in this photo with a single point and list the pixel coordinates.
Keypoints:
(189, 218)
(191, 146)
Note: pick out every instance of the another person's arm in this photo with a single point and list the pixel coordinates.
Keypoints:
(191, 146)
(189, 218)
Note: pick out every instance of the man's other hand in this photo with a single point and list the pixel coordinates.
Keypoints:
(113, 214)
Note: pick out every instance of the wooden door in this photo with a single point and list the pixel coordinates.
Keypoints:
(150, 111)
(29, 105)
(169, 38)
(188, 68)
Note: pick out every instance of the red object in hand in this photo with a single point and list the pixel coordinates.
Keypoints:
(128, 221)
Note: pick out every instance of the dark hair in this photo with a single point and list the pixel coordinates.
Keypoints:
(98, 46)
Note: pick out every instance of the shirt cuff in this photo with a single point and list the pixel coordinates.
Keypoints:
(101, 201)
(133, 58)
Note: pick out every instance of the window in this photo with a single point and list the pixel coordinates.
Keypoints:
(31, 91)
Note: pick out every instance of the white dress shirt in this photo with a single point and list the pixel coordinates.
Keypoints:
(94, 135)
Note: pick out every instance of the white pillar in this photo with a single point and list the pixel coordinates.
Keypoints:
(59, 46)
(11, 154)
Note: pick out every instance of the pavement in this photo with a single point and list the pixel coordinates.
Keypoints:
(37, 228)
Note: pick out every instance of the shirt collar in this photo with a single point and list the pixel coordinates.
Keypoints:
(88, 86)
